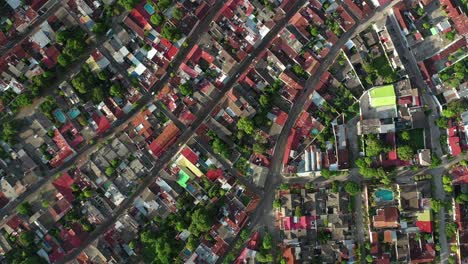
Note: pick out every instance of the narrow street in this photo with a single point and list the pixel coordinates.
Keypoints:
(412, 68)
(188, 133)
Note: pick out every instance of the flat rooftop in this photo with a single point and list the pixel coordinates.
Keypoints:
(382, 96)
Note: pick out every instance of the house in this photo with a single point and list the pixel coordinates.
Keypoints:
(163, 141)
(387, 217)
(63, 185)
(424, 157)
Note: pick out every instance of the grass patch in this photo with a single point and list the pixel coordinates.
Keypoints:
(383, 68)
(416, 138)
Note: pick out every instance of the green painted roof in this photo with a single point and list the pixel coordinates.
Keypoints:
(382, 96)
(434, 31)
(183, 179)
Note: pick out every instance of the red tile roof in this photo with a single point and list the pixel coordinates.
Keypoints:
(454, 143)
(424, 226)
(63, 185)
(164, 139)
(170, 54)
(386, 218)
(400, 18)
(188, 153)
(37, 4)
(3, 200)
(3, 38)
(102, 123)
(214, 174)
(354, 8)
(281, 118)
(289, 143)
(65, 151)
(293, 223)
(134, 26)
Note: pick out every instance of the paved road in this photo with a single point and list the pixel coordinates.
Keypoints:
(186, 135)
(415, 75)
(264, 213)
(309, 88)
(119, 125)
(55, 5)
(412, 68)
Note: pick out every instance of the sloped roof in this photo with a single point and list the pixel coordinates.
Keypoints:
(63, 185)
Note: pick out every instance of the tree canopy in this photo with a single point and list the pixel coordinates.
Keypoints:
(128, 4)
(186, 89)
(170, 32)
(8, 131)
(245, 125)
(157, 19)
(352, 188)
(374, 146)
(405, 152)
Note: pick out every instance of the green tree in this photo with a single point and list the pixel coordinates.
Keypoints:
(109, 171)
(186, 89)
(219, 147)
(26, 238)
(267, 242)
(264, 101)
(8, 131)
(259, 148)
(298, 211)
(352, 188)
(406, 136)
(245, 234)
(369, 259)
(435, 161)
(164, 4)
(157, 19)
(436, 205)
(405, 152)
(451, 229)
(99, 28)
(24, 209)
(132, 244)
(22, 100)
(335, 187)
(462, 198)
(420, 11)
(128, 4)
(88, 193)
(116, 90)
(192, 243)
(245, 125)
(426, 25)
(63, 60)
(264, 258)
(314, 31)
(202, 220)
(170, 32)
(62, 36)
(374, 146)
(276, 203)
(97, 95)
(441, 122)
(45, 203)
(178, 13)
(450, 35)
